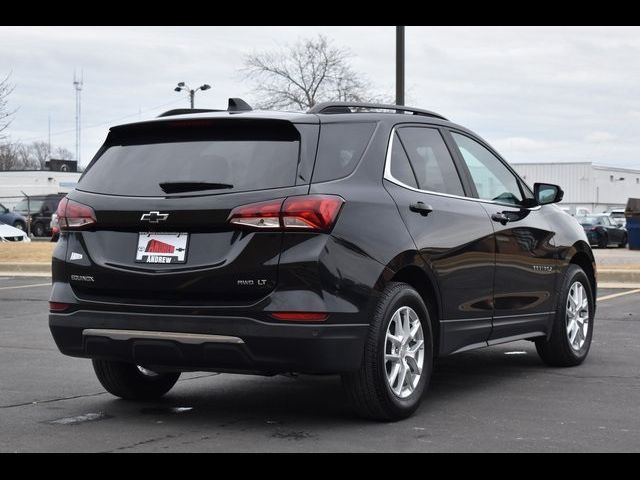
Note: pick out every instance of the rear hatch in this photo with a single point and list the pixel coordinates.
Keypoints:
(162, 193)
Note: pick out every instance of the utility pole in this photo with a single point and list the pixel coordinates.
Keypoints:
(49, 138)
(399, 65)
(77, 83)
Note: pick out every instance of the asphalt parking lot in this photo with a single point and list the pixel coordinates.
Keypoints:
(496, 399)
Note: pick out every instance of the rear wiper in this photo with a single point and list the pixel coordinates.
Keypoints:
(180, 187)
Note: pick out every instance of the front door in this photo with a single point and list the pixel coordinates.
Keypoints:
(525, 273)
(453, 234)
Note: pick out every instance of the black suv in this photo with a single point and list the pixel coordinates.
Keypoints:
(38, 210)
(355, 239)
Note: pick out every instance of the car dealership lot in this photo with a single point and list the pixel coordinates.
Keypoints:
(500, 398)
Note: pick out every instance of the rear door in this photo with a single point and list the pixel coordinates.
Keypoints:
(162, 194)
(452, 233)
(525, 273)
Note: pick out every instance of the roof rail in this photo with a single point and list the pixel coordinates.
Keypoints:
(346, 107)
(186, 111)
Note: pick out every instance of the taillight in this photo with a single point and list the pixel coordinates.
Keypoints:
(308, 212)
(74, 216)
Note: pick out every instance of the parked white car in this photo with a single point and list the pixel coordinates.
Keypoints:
(617, 216)
(12, 234)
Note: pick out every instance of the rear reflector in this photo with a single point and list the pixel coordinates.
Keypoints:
(74, 216)
(307, 212)
(58, 307)
(300, 316)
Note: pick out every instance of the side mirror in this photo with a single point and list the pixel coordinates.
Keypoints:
(546, 193)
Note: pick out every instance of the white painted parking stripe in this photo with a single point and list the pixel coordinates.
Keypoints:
(616, 295)
(26, 286)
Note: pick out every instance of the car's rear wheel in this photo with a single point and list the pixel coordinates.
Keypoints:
(603, 241)
(623, 244)
(398, 358)
(133, 382)
(572, 330)
(19, 225)
(38, 230)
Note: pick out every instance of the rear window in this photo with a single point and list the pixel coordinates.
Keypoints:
(223, 157)
(340, 148)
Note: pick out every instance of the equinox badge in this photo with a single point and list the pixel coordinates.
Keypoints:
(154, 217)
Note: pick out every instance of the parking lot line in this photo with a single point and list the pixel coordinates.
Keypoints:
(616, 295)
(26, 286)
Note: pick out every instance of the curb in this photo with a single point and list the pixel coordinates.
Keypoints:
(611, 275)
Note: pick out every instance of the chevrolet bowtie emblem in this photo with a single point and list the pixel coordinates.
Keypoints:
(154, 217)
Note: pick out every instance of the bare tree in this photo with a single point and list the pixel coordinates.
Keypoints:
(5, 114)
(62, 153)
(299, 76)
(8, 156)
(39, 152)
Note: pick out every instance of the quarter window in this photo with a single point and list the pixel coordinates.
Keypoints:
(400, 167)
(493, 180)
(431, 161)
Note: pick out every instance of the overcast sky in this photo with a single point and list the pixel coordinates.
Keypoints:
(536, 94)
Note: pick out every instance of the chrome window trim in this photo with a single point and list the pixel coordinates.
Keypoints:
(388, 176)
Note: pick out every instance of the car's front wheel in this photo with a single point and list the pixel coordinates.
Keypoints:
(398, 357)
(603, 241)
(133, 382)
(19, 225)
(572, 330)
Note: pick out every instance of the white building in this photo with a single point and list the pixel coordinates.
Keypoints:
(585, 185)
(33, 182)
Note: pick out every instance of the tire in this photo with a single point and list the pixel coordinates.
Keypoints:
(369, 390)
(126, 380)
(20, 225)
(603, 241)
(38, 230)
(557, 350)
(623, 244)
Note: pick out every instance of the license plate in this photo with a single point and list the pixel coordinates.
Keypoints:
(162, 247)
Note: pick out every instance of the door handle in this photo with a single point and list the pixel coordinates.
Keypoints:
(500, 217)
(421, 208)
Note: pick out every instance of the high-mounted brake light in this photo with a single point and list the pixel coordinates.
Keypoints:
(74, 216)
(307, 212)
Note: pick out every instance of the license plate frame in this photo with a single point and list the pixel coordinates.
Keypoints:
(162, 248)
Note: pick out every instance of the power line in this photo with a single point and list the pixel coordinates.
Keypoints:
(109, 122)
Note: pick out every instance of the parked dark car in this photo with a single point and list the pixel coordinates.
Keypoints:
(354, 239)
(12, 218)
(41, 208)
(602, 231)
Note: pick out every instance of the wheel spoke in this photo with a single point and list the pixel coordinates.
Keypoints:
(394, 374)
(401, 378)
(391, 357)
(419, 345)
(397, 341)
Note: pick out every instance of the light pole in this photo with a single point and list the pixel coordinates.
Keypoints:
(399, 65)
(192, 93)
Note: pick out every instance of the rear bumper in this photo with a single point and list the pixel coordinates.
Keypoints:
(186, 342)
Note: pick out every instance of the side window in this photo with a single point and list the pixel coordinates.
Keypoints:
(493, 180)
(400, 166)
(339, 149)
(431, 161)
